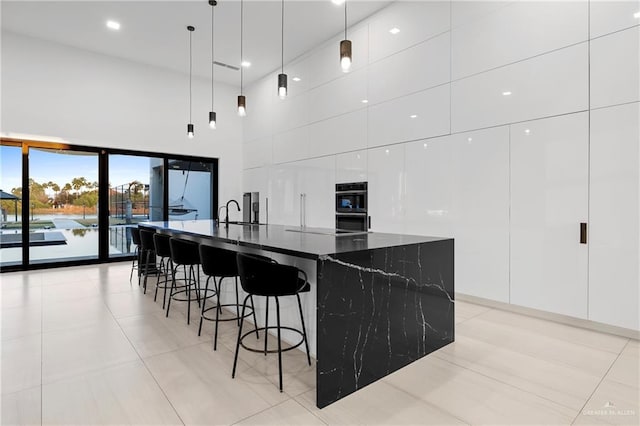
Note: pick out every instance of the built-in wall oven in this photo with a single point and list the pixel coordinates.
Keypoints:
(351, 207)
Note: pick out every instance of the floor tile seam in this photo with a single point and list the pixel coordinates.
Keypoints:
(553, 361)
(507, 384)
(545, 336)
(596, 387)
(9, 339)
(145, 357)
(422, 401)
(89, 371)
(470, 368)
(149, 371)
(80, 327)
(261, 411)
(5, 394)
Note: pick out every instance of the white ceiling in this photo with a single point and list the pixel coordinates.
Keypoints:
(154, 32)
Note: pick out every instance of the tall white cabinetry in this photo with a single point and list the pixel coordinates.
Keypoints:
(549, 200)
(615, 216)
(386, 189)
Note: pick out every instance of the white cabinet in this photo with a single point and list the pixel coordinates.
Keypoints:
(480, 212)
(428, 167)
(549, 200)
(317, 184)
(416, 116)
(518, 31)
(386, 189)
(417, 68)
(614, 216)
(612, 15)
(257, 180)
(351, 167)
(284, 203)
(552, 84)
(615, 68)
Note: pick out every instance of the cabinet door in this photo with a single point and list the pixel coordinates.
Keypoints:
(386, 189)
(615, 217)
(318, 184)
(549, 199)
(284, 203)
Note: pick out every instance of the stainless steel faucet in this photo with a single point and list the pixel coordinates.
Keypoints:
(226, 219)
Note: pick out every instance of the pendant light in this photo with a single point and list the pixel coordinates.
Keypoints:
(242, 101)
(212, 113)
(190, 125)
(345, 46)
(282, 77)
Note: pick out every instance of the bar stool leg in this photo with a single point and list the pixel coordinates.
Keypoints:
(218, 312)
(266, 325)
(279, 342)
(169, 267)
(173, 284)
(237, 302)
(206, 287)
(235, 358)
(188, 293)
(255, 321)
(146, 271)
(161, 270)
(304, 330)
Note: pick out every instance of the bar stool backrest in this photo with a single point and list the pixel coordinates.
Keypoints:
(146, 239)
(184, 252)
(135, 235)
(218, 262)
(263, 277)
(162, 245)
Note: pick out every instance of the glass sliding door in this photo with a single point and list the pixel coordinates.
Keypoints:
(10, 205)
(136, 188)
(63, 205)
(191, 190)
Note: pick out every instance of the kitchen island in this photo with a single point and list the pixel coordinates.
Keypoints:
(378, 301)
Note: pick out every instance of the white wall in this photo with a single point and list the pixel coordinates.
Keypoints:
(85, 98)
(510, 177)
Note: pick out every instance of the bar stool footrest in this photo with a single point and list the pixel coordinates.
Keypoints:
(249, 313)
(271, 327)
(194, 298)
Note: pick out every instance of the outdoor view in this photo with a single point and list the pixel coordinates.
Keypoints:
(63, 208)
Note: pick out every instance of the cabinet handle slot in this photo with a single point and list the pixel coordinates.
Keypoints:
(583, 233)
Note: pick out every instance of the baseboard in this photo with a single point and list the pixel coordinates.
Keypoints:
(562, 319)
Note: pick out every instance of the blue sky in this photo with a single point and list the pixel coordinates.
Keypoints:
(60, 168)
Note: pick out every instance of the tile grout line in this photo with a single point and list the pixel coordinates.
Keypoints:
(422, 401)
(146, 366)
(598, 385)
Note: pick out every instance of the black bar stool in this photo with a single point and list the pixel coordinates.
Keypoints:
(148, 251)
(135, 237)
(262, 277)
(221, 263)
(163, 251)
(185, 253)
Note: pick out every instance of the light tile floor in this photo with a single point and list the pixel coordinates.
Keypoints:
(82, 346)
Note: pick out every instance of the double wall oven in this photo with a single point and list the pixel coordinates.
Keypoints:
(351, 207)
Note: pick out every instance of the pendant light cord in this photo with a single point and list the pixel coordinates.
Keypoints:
(190, 72)
(282, 43)
(345, 19)
(213, 8)
(241, 45)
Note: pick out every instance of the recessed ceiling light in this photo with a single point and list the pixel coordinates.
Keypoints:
(469, 139)
(527, 131)
(296, 79)
(394, 30)
(337, 2)
(424, 145)
(636, 15)
(113, 25)
(386, 151)
(245, 64)
(413, 116)
(507, 93)
(365, 101)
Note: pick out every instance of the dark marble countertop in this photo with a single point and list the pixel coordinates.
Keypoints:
(312, 243)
